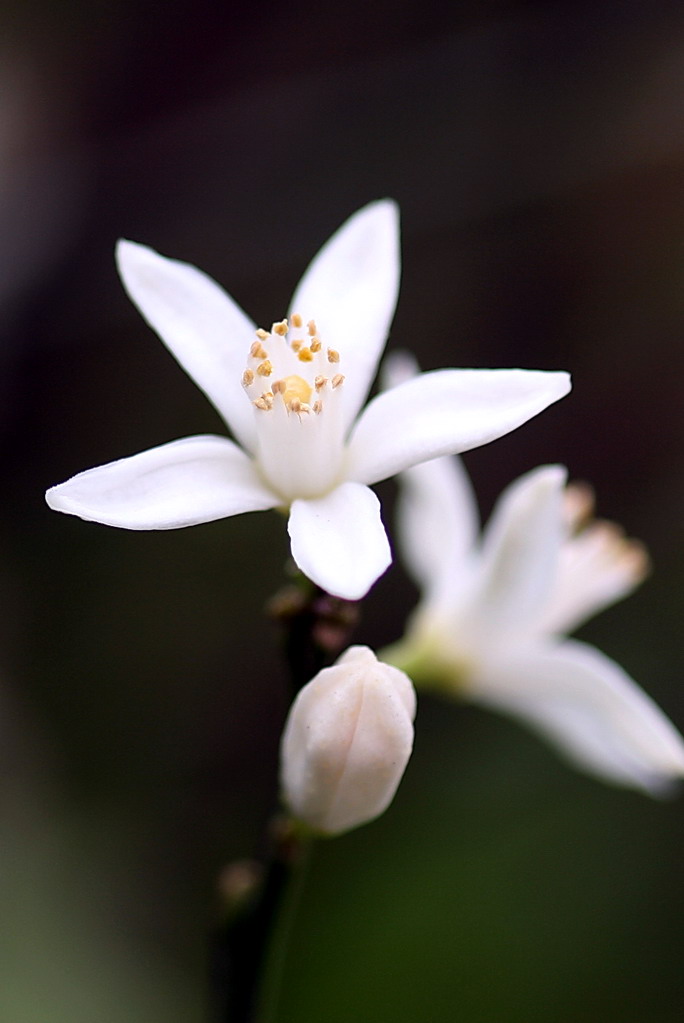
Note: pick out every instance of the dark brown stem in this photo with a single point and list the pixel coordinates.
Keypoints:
(240, 948)
(316, 628)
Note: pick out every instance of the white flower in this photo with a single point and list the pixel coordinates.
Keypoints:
(491, 623)
(346, 743)
(291, 398)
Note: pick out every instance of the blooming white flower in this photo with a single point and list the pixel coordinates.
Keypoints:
(490, 624)
(347, 741)
(291, 398)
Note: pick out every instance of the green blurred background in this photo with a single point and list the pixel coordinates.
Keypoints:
(537, 153)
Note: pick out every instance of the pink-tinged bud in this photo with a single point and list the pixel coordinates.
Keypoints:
(347, 740)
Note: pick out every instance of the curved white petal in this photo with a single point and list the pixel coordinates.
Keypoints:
(339, 541)
(193, 480)
(591, 709)
(437, 521)
(397, 367)
(597, 567)
(350, 290)
(520, 550)
(437, 514)
(199, 323)
(445, 412)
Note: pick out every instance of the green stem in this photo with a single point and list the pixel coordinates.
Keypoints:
(276, 957)
(244, 947)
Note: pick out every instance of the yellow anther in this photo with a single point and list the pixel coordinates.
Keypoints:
(333, 356)
(296, 345)
(578, 505)
(267, 396)
(247, 378)
(277, 386)
(257, 351)
(635, 558)
(263, 404)
(296, 320)
(320, 382)
(315, 344)
(337, 380)
(311, 327)
(294, 388)
(317, 407)
(304, 355)
(610, 534)
(299, 408)
(264, 369)
(280, 328)
(262, 334)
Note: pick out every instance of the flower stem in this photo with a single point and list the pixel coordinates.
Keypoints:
(251, 943)
(250, 948)
(274, 965)
(316, 628)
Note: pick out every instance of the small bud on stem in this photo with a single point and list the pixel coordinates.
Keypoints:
(347, 740)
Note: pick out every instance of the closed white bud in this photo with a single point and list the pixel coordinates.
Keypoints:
(347, 740)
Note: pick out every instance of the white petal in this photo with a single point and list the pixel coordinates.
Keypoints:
(398, 367)
(437, 524)
(590, 708)
(437, 514)
(445, 412)
(199, 323)
(520, 550)
(339, 541)
(197, 479)
(350, 290)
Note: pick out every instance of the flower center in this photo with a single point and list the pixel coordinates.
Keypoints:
(295, 389)
(285, 354)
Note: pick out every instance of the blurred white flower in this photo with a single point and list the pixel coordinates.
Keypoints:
(291, 398)
(346, 743)
(490, 625)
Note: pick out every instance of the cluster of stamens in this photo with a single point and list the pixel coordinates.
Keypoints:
(604, 541)
(294, 390)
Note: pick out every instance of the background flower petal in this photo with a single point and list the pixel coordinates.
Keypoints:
(445, 412)
(350, 289)
(591, 710)
(520, 551)
(437, 521)
(339, 541)
(596, 568)
(193, 480)
(203, 328)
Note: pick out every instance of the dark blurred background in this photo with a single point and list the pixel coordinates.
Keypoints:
(537, 153)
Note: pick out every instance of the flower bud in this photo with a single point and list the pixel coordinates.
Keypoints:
(347, 740)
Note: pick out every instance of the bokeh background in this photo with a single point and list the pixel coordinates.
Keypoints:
(537, 153)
